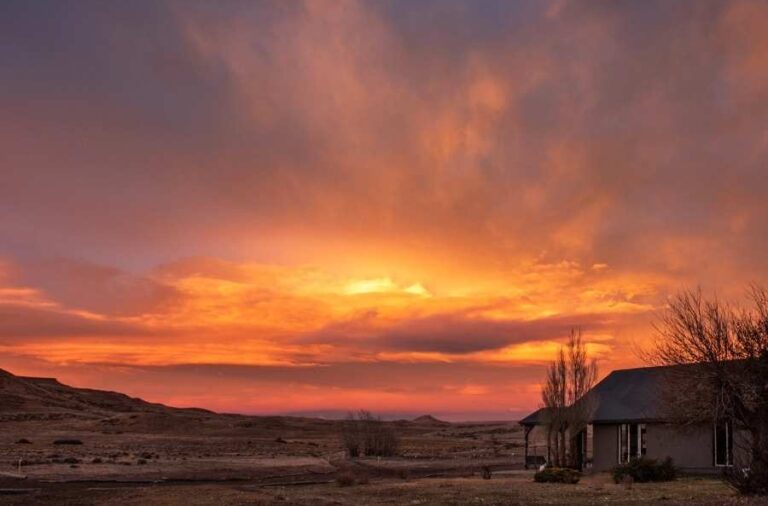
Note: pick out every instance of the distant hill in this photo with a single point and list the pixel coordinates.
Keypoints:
(29, 398)
(428, 420)
(46, 396)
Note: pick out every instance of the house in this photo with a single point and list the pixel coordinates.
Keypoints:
(627, 422)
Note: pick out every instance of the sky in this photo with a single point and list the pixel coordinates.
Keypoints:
(311, 207)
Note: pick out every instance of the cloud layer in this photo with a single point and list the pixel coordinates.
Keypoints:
(320, 185)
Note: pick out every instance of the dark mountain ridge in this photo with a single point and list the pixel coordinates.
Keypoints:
(30, 395)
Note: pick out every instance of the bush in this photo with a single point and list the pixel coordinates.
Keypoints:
(746, 481)
(643, 470)
(346, 479)
(67, 442)
(365, 434)
(557, 475)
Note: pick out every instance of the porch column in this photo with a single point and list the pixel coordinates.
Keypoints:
(527, 431)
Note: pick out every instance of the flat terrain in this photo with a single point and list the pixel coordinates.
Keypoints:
(66, 446)
(160, 447)
(119, 438)
(516, 489)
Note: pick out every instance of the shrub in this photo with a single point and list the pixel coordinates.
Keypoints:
(67, 442)
(345, 479)
(352, 436)
(746, 482)
(365, 434)
(557, 475)
(643, 470)
(23, 441)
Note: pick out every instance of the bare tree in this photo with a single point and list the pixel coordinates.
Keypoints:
(553, 395)
(569, 378)
(583, 376)
(725, 378)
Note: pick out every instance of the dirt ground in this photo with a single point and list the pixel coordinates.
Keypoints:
(516, 488)
(140, 449)
(162, 456)
(285, 461)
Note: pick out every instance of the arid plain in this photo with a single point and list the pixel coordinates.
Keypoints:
(67, 446)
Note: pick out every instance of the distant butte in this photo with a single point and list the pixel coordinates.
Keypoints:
(429, 420)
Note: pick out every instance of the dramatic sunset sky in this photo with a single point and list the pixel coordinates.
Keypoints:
(285, 206)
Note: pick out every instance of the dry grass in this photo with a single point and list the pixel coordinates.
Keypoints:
(510, 490)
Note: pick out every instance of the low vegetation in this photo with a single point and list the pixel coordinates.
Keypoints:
(364, 434)
(347, 478)
(67, 441)
(645, 470)
(557, 475)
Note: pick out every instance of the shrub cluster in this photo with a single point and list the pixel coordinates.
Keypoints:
(347, 478)
(557, 475)
(643, 470)
(67, 442)
(365, 434)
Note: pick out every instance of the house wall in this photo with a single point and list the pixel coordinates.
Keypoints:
(742, 443)
(604, 450)
(691, 449)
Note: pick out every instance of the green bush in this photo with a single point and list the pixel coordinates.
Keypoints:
(557, 475)
(643, 470)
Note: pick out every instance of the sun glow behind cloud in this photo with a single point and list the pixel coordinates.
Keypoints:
(257, 315)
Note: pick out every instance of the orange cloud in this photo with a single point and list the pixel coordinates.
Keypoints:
(291, 195)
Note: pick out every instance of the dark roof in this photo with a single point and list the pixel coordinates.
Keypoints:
(535, 418)
(626, 395)
(629, 395)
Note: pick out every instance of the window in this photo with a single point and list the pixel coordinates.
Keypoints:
(723, 444)
(632, 441)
